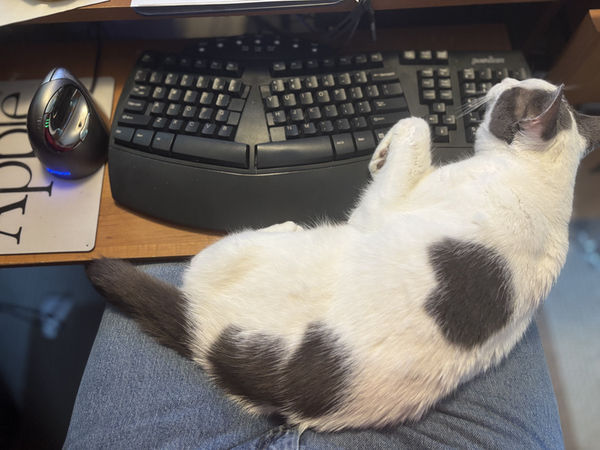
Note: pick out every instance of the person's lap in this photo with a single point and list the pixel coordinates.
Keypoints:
(138, 394)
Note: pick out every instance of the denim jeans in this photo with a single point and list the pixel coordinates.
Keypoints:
(136, 394)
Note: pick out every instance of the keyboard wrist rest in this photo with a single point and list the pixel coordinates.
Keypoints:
(146, 183)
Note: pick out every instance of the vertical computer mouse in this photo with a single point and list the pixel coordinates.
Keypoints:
(65, 129)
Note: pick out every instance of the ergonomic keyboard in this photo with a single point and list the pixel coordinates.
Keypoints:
(249, 131)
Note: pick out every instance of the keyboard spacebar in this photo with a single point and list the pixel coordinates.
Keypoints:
(211, 151)
(294, 153)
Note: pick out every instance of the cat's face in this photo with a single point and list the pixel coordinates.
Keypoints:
(535, 111)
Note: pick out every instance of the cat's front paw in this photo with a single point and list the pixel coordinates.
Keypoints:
(286, 226)
(407, 133)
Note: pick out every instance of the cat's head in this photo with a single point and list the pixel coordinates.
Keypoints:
(533, 114)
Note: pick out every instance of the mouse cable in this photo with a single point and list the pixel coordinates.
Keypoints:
(100, 33)
(350, 23)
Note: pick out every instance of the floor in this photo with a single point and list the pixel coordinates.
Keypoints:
(48, 320)
(569, 322)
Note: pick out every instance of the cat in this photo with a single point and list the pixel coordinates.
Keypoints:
(432, 280)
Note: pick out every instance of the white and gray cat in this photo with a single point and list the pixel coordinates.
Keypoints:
(433, 279)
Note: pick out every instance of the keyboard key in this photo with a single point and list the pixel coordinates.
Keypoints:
(272, 102)
(234, 118)
(207, 98)
(226, 132)
(449, 121)
(383, 76)
(142, 138)
(156, 77)
(159, 93)
(440, 134)
(159, 123)
(291, 131)
(343, 145)
(222, 116)
(192, 127)
(391, 90)
(294, 153)
(359, 123)
(342, 125)
(123, 134)
(237, 105)
(175, 125)
(190, 96)
(141, 75)
(134, 119)
(171, 79)
(356, 93)
(339, 95)
(162, 142)
(409, 57)
(212, 151)
(173, 109)
(365, 143)
(289, 100)
(189, 111)
(186, 81)
(140, 91)
(372, 91)
(389, 104)
(309, 129)
(157, 108)
(296, 115)
(330, 111)
(235, 88)
(326, 127)
(135, 105)
(208, 129)
(446, 96)
(387, 120)
(202, 82)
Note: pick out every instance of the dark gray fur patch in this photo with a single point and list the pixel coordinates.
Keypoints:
(517, 104)
(474, 294)
(248, 367)
(311, 382)
(589, 128)
(158, 307)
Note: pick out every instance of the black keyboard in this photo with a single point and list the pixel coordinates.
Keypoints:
(249, 131)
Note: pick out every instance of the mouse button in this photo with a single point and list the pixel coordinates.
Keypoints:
(59, 73)
(85, 128)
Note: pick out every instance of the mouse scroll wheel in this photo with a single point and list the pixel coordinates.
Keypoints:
(67, 118)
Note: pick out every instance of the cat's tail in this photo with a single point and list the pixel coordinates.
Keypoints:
(158, 307)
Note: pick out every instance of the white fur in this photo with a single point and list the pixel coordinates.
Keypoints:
(368, 279)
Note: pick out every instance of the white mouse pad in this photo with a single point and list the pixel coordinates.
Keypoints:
(40, 213)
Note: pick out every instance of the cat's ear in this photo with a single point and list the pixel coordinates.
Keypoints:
(589, 128)
(545, 125)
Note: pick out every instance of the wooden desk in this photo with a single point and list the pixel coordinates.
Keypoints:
(125, 234)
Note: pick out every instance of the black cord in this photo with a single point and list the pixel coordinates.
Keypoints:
(100, 33)
(20, 312)
(350, 23)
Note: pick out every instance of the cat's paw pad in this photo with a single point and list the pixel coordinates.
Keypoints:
(408, 133)
(378, 159)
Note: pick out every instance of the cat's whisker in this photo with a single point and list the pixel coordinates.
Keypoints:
(473, 106)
